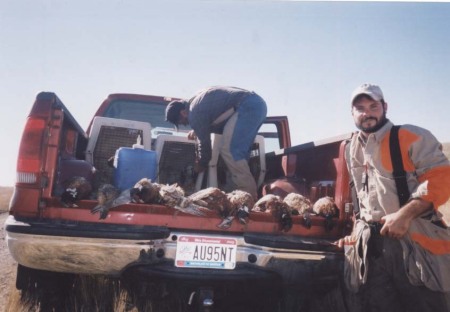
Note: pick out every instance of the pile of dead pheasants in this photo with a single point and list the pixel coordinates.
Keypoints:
(229, 206)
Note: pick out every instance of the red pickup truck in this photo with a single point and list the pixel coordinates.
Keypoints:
(142, 243)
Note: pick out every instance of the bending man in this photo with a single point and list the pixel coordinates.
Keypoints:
(235, 113)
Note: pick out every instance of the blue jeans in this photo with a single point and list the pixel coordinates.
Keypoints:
(238, 136)
(251, 114)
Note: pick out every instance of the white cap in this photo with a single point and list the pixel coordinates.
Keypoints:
(371, 90)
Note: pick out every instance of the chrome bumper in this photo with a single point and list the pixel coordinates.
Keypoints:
(111, 256)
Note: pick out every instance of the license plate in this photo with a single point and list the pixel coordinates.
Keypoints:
(206, 252)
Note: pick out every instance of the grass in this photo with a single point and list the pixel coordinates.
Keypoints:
(88, 293)
(5, 195)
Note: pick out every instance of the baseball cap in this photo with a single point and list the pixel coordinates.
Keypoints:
(371, 90)
(173, 110)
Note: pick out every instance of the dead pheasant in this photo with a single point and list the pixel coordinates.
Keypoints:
(266, 203)
(146, 192)
(212, 198)
(240, 204)
(75, 189)
(108, 197)
(300, 205)
(216, 200)
(277, 207)
(173, 196)
(326, 208)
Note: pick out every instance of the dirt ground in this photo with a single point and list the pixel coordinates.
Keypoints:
(7, 266)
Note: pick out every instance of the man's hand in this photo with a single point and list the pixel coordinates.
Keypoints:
(395, 225)
(347, 240)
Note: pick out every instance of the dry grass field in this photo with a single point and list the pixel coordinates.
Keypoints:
(7, 264)
(5, 195)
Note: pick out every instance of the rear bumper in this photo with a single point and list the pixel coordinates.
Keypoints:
(80, 249)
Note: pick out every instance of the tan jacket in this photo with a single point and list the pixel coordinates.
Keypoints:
(428, 170)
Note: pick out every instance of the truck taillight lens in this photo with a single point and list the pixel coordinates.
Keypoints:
(30, 151)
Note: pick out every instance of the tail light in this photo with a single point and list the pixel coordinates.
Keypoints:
(30, 151)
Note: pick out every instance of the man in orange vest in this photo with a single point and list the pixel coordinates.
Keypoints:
(379, 261)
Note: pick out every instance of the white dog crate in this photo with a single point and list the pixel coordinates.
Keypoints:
(109, 134)
(176, 157)
(176, 160)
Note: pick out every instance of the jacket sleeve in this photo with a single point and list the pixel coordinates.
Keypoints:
(200, 123)
(432, 168)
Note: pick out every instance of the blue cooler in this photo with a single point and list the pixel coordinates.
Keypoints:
(133, 164)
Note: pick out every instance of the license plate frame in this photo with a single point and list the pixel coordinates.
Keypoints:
(206, 252)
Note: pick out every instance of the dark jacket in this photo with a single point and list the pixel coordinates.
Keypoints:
(205, 107)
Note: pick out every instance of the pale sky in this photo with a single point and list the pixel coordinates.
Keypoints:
(303, 58)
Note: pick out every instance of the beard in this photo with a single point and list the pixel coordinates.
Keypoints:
(379, 123)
